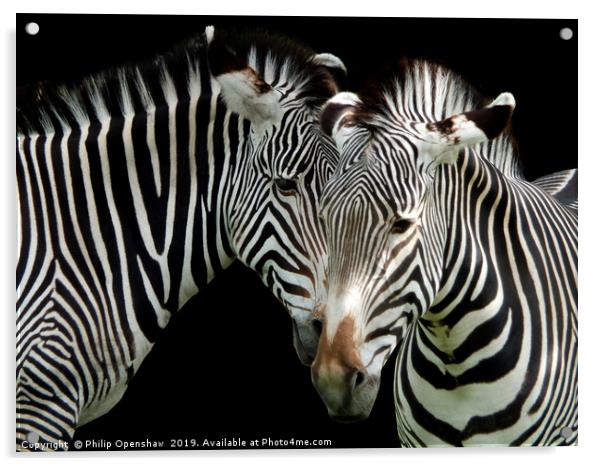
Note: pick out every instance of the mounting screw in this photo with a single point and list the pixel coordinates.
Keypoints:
(32, 28)
(566, 33)
(566, 432)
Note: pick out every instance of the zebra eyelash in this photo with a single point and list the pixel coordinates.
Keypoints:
(402, 225)
(286, 185)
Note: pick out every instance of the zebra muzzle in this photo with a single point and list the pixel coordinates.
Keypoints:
(340, 377)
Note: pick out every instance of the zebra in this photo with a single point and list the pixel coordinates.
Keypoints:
(137, 186)
(438, 244)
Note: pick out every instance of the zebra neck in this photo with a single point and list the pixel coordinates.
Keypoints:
(144, 197)
(180, 212)
(470, 293)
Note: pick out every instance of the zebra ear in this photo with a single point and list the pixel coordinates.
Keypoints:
(337, 117)
(334, 65)
(469, 128)
(243, 90)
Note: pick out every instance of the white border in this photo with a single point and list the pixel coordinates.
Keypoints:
(590, 156)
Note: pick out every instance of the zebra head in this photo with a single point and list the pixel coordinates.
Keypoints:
(272, 222)
(384, 237)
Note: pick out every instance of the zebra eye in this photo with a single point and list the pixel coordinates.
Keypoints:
(286, 185)
(402, 225)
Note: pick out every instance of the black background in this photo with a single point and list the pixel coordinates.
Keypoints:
(225, 366)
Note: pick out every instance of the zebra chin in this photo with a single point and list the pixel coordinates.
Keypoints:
(359, 405)
(349, 397)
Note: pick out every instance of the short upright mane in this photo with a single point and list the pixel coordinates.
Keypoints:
(420, 90)
(179, 74)
(127, 88)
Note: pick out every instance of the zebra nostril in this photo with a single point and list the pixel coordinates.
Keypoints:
(359, 379)
(317, 326)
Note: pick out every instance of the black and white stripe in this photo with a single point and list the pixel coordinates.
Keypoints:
(437, 243)
(563, 186)
(138, 186)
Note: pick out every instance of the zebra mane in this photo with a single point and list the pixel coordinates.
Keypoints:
(420, 89)
(180, 74)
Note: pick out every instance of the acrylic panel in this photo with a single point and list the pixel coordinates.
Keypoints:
(295, 232)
